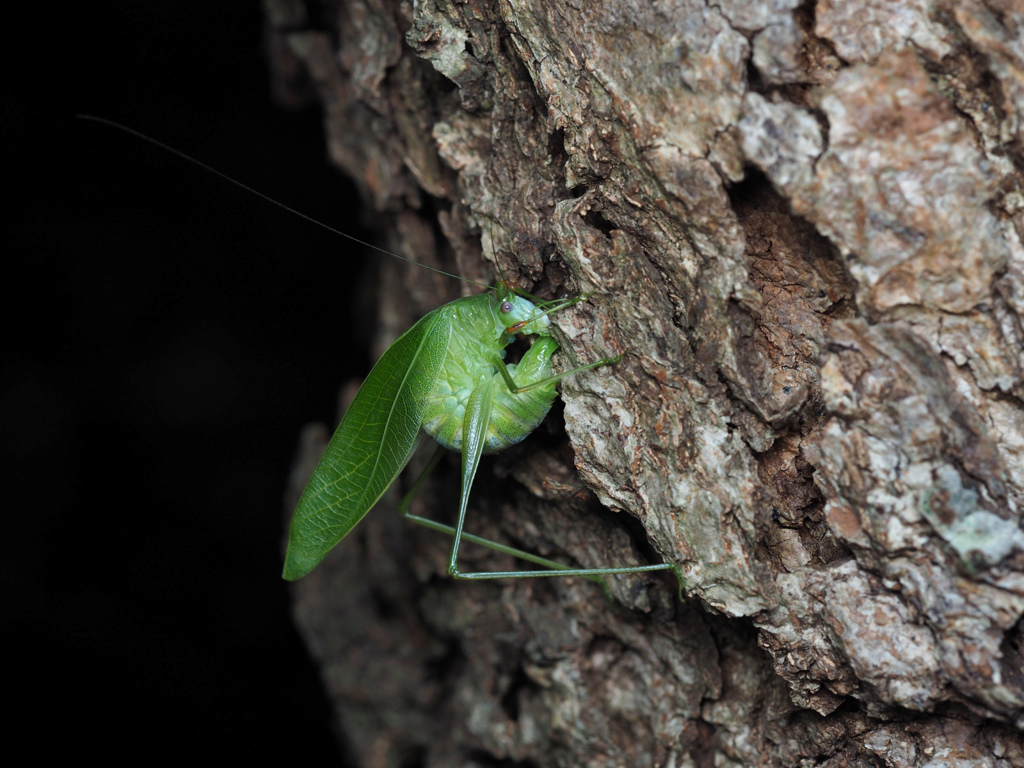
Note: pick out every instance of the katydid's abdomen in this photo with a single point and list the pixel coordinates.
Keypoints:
(475, 342)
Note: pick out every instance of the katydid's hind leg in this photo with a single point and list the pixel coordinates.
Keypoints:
(404, 505)
(594, 574)
(547, 567)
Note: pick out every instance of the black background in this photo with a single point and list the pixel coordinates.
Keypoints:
(166, 337)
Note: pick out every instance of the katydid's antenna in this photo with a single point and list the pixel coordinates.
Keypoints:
(300, 214)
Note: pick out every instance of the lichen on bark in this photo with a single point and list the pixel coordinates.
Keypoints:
(801, 223)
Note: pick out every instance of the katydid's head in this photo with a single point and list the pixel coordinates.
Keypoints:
(519, 315)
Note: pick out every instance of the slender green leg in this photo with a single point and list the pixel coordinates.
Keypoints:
(552, 567)
(516, 389)
(550, 307)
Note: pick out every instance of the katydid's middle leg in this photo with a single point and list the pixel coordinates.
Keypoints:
(516, 389)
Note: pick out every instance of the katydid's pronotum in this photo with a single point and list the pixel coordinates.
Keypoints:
(447, 377)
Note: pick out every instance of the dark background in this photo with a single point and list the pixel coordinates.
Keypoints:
(166, 337)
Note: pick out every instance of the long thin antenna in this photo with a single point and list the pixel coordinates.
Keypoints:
(300, 214)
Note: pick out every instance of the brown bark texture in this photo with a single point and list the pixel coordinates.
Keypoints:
(802, 223)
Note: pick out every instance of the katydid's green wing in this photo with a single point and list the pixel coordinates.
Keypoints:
(371, 445)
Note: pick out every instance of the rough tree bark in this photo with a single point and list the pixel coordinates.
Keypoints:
(802, 222)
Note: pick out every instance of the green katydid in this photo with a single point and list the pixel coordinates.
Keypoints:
(447, 377)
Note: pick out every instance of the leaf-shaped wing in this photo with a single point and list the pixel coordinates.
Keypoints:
(370, 446)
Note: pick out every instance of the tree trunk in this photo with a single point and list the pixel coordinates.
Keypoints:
(801, 223)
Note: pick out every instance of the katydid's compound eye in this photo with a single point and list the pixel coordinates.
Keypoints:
(506, 307)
